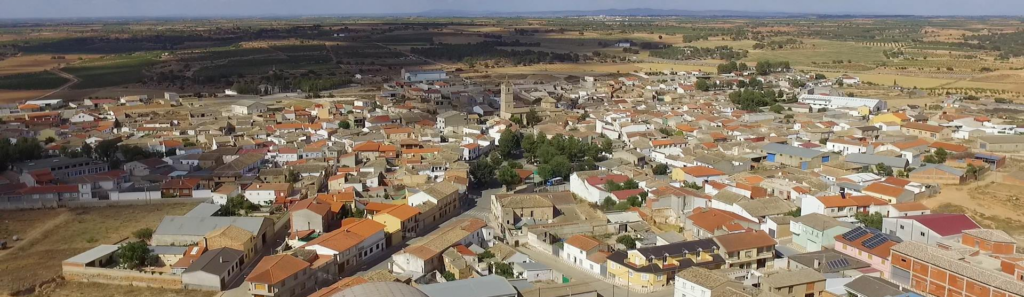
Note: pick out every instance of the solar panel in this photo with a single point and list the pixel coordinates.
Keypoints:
(854, 234)
(875, 241)
(837, 264)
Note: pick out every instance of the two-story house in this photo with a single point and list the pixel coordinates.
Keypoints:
(814, 231)
(746, 250)
(656, 266)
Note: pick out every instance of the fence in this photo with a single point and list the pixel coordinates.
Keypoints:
(53, 203)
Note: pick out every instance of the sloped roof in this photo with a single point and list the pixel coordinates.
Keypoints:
(583, 242)
(945, 224)
(276, 268)
(744, 240)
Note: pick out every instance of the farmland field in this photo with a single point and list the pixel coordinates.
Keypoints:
(10, 96)
(110, 72)
(71, 231)
(821, 51)
(43, 80)
(36, 63)
(81, 289)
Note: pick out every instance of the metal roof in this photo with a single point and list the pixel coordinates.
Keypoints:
(203, 210)
(199, 226)
(488, 286)
(216, 261)
(93, 254)
(791, 150)
(869, 159)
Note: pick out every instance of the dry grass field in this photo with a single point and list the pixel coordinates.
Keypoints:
(80, 289)
(36, 63)
(52, 235)
(12, 96)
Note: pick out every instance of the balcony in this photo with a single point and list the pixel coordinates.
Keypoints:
(744, 258)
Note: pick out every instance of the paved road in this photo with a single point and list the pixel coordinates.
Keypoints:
(577, 275)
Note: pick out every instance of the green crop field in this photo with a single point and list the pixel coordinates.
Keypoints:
(43, 80)
(821, 51)
(111, 72)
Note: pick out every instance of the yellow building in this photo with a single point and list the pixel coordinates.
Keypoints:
(656, 266)
(231, 236)
(399, 221)
(890, 118)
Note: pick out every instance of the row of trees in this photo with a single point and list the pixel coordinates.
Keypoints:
(700, 53)
(750, 99)
(488, 51)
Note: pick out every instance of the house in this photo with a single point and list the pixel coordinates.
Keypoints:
(889, 193)
(212, 270)
(700, 174)
(795, 283)
(868, 245)
(356, 241)
(579, 249)
(841, 206)
(829, 262)
(179, 187)
(267, 194)
(930, 228)
(511, 210)
(145, 167)
(310, 214)
(709, 222)
(487, 286)
(872, 286)
(894, 117)
(701, 282)
(746, 250)
(798, 157)
(655, 267)
(590, 184)
(425, 256)
(814, 231)
(436, 202)
(939, 174)
(534, 272)
(926, 130)
(281, 275)
(186, 230)
(400, 222)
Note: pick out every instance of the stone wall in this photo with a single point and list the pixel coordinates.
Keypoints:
(121, 277)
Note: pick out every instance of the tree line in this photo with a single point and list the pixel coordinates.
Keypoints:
(700, 53)
(487, 50)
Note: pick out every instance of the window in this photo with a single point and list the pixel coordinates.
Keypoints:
(869, 257)
(922, 233)
(901, 227)
(790, 290)
(644, 276)
(630, 274)
(661, 277)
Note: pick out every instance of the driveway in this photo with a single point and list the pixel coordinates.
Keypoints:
(577, 275)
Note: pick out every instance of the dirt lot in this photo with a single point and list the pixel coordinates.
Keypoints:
(991, 203)
(79, 289)
(45, 243)
(36, 63)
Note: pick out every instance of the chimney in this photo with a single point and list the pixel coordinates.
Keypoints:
(817, 263)
(222, 259)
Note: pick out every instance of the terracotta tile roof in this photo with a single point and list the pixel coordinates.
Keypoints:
(734, 242)
(276, 268)
(910, 206)
(363, 227)
(625, 194)
(583, 242)
(711, 219)
(884, 189)
(952, 147)
(337, 200)
(401, 212)
(312, 205)
(911, 144)
(850, 200)
(924, 127)
(701, 171)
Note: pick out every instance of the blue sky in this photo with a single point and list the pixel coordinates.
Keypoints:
(107, 8)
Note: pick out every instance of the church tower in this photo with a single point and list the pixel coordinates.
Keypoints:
(507, 101)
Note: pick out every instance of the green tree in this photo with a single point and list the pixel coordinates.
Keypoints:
(794, 213)
(344, 125)
(133, 255)
(558, 167)
(627, 240)
(532, 118)
(660, 169)
(634, 201)
(485, 255)
(883, 170)
(702, 85)
(143, 234)
(237, 206)
(972, 172)
(86, 150)
(482, 172)
(508, 176)
(503, 269)
(630, 184)
(50, 140)
(606, 145)
(608, 203)
(448, 276)
(777, 108)
(873, 220)
(509, 143)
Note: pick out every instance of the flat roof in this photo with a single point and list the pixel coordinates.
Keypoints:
(203, 210)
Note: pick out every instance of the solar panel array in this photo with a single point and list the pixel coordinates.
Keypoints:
(837, 263)
(875, 241)
(855, 233)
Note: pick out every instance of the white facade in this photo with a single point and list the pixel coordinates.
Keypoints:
(834, 102)
(685, 288)
(260, 196)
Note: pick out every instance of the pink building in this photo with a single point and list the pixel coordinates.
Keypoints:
(868, 245)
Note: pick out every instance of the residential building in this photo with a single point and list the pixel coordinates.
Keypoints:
(436, 202)
(701, 282)
(356, 241)
(579, 249)
(746, 250)
(400, 222)
(656, 266)
(425, 256)
(933, 271)
(267, 194)
(213, 270)
(868, 245)
(815, 231)
(795, 283)
(793, 156)
(926, 130)
(309, 214)
(281, 275)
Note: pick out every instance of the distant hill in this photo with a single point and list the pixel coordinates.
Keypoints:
(606, 12)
